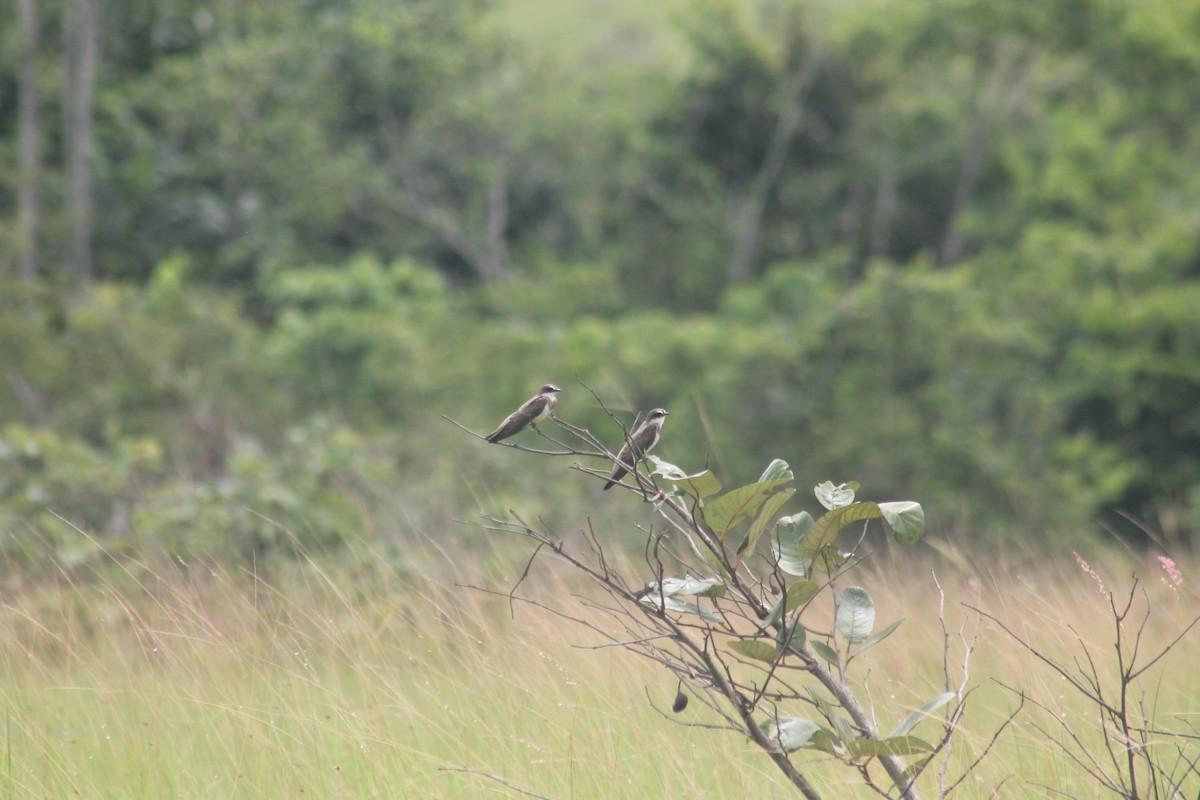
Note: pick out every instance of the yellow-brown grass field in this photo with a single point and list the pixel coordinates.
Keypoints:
(363, 680)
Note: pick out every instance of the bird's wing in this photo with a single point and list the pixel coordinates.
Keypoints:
(531, 408)
(637, 446)
(516, 421)
(645, 438)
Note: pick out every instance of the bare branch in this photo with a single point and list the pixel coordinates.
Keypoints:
(991, 743)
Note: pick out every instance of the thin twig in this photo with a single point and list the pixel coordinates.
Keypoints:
(495, 778)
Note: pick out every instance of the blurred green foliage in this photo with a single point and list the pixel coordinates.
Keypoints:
(952, 250)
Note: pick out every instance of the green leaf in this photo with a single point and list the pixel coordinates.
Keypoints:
(790, 733)
(776, 470)
(699, 486)
(891, 746)
(758, 650)
(823, 535)
(765, 516)
(914, 769)
(906, 518)
(681, 606)
(791, 636)
(855, 614)
(876, 638)
(825, 651)
(841, 724)
(797, 595)
(687, 585)
(829, 559)
(826, 741)
(785, 544)
(722, 513)
(910, 722)
(833, 497)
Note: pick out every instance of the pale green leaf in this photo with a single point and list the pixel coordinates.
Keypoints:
(826, 741)
(776, 470)
(891, 746)
(829, 559)
(666, 469)
(681, 606)
(825, 651)
(687, 585)
(722, 513)
(914, 769)
(797, 595)
(699, 486)
(842, 725)
(759, 650)
(823, 536)
(785, 543)
(910, 722)
(765, 516)
(906, 518)
(876, 638)
(791, 636)
(832, 496)
(855, 614)
(790, 733)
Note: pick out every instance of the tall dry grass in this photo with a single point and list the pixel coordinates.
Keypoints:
(371, 679)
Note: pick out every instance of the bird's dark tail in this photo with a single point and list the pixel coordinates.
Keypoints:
(616, 476)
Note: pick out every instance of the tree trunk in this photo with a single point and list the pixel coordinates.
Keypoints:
(954, 243)
(82, 54)
(1002, 93)
(886, 202)
(746, 216)
(28, 197)
(497, 221)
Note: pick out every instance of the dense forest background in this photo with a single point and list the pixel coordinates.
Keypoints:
(251, 251)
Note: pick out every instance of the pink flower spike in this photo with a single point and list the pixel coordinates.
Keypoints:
(1083, 565)
(1173, 574)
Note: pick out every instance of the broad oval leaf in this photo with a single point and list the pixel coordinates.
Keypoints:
(841, 724)
(876, 638)
(681, 606)
(699, 486)
(832, 496)
(791, 636)
(785, 543)
(914, 769)
(826, 741)
(855, 614)
(825, 651)
(796, 595)
(790, 733)
(830, 559)
(891, 746)
(722, 513)
(775, 470)
(758, 650)
(765, 516)
(800, 592)
(687, 585)
(823, 535)
(910, 722)
(906, 518)
(667, 469)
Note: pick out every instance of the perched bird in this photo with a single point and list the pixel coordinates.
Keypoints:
(641, 442)
(533, 409)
